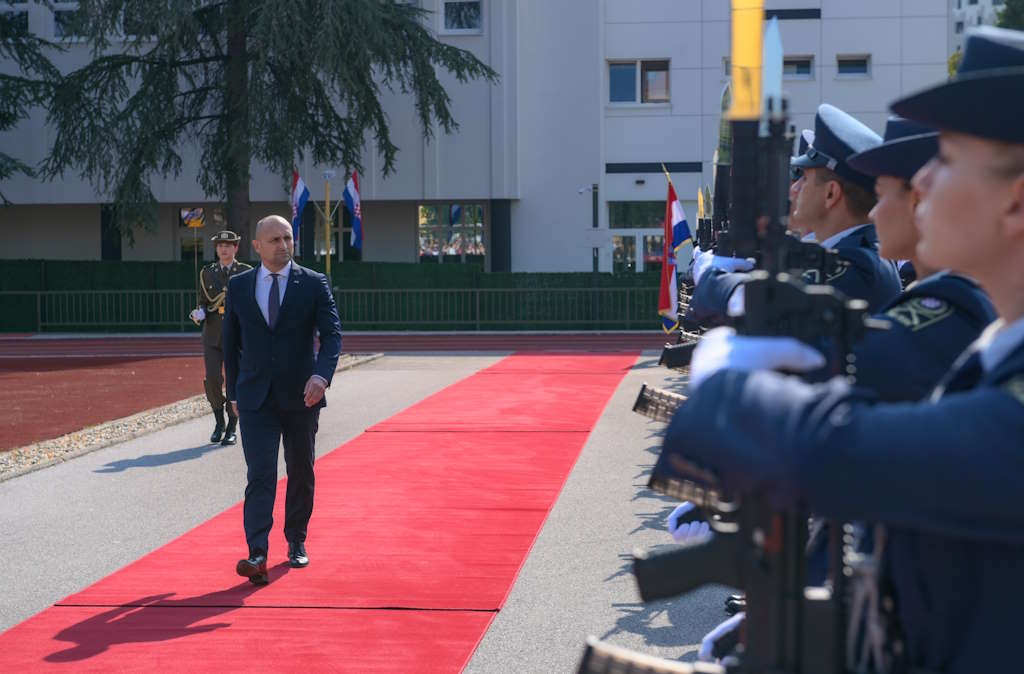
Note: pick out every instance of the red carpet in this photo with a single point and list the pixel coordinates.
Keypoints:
(416, 539)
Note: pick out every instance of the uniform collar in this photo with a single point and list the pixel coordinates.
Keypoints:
(284, 273)
(998, 341)
(831, 241)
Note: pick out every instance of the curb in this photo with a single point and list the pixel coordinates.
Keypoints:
(355, 361)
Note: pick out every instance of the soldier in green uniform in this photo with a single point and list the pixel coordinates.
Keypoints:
(213, 284)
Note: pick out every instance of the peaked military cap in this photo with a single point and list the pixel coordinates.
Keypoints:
(806, 141)
(837, 135)
(908, 146)
(225, 236)
(986, 96)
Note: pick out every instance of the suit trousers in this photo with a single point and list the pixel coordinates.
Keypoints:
(263, 430)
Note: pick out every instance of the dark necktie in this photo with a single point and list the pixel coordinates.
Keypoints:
(273, 302)
(966, 376)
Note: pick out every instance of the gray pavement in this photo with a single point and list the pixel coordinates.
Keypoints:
(64, 527)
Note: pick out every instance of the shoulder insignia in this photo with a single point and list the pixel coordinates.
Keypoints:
(1015, 387)
(920, 312)
(839, 272)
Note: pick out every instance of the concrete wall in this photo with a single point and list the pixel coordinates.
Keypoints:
(50, 232)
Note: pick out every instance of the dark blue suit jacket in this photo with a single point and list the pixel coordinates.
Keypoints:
(944, 476)
(260, 362)
(868, 277)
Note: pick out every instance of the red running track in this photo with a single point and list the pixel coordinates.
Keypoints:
(416, 539)
(34, 347)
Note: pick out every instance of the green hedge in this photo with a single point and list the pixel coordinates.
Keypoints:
(97, 275)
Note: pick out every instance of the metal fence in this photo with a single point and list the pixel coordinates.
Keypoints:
(401, 309)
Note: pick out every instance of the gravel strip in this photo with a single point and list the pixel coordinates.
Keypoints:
(45, 453)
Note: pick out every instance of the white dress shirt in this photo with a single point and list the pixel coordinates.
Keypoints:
(831, 241)
(263, 282)
(998, 341)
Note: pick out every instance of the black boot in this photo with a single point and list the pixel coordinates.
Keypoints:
(229, 433)
(218, 430)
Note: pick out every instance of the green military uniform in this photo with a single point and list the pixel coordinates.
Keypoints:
(213, 284)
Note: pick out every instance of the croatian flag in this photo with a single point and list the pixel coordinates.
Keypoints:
(352, 204)
(677, 235)
(300, 195)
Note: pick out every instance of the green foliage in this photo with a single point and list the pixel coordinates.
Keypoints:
(954, 62)
(1012, 15)
(271, 81)
(25, 85)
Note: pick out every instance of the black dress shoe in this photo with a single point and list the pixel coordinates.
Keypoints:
(218, 433)
(297, 558)
(254, 568)
(229, 433)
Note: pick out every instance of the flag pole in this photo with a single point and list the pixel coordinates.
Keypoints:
(327, 223)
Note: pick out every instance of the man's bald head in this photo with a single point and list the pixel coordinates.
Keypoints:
(273, 242)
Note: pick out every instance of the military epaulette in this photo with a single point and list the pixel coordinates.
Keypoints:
(920, 312)
(1015, 387)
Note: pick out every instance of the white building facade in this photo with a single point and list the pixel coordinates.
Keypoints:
(556, 167)
(966, 14)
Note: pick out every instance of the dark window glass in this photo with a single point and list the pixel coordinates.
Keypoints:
(623, 254)
(636, 214)
(15, 23)
(853, 65)
(654, 78)
(797, 67)
(622, 82)
(67, 23)
(654, 252)
(463, 16)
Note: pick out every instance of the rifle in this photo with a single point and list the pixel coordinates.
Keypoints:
(791, 628)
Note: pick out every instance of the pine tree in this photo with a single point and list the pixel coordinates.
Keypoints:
(23, 86)
(270, 81)
(1012, 15)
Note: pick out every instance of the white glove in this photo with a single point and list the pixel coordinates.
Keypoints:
(197, 314)
(723, 349)
(731, 264)
(683, 533)
(701, 264)
(737, 304)
(707, 644)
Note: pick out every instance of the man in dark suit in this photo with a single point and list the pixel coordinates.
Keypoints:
(276, 383)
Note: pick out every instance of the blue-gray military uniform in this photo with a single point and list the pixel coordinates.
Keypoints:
(837, 135)
(943, 475)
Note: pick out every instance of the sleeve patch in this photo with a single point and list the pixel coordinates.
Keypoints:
(1015, 387)
(920, 312)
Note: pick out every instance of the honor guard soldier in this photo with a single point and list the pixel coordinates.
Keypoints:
(213, 287)
(832, 200)
(942, 475)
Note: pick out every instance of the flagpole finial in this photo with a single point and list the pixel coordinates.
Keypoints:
(668, 176)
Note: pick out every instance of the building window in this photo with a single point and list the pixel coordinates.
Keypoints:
(798, 67)
(636, 214)
(623, 254)
(959, 27)
(643, 81)
(66, 21)
(136, 23)
(463, 17)
(15, 18)
(972, 2)
(855, 66)
(654, 252)
(654, 79)
(451, 233)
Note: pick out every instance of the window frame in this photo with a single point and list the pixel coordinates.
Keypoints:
(854, 57)
(638, 83)
(463, 228)
(442, 30)
(64, 7)
(809, 75)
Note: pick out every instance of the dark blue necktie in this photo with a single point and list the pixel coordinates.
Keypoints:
(274, 301)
